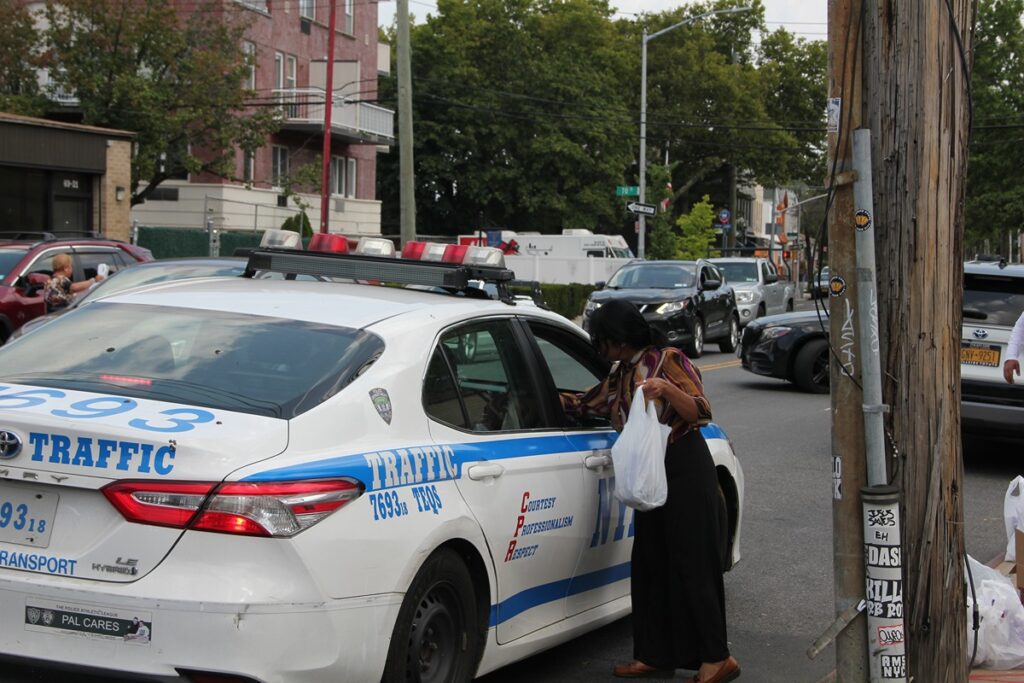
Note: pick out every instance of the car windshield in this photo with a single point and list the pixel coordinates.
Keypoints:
(993, 300)
(650, 276)
(216, 359)
(738, 272)
(144, 275)
(10, 258)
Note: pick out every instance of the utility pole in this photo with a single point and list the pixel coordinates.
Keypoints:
(848, 463)
(916, 98)
(732, 206)
(407, 180)
(325, 177)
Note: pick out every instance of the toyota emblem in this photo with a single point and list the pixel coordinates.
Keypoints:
(10, 445)
(981, 334)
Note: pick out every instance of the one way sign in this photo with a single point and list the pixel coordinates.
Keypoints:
(642, 209)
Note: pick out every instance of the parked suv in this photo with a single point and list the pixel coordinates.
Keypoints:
(686, 300)
(993, 300)
(759, 291)
(27, 264)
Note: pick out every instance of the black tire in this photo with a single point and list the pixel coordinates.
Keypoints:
(729, 344)
(789, 306)
(810, 370)
(695, 347)
(437, 638)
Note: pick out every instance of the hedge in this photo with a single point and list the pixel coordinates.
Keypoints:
(567, 300)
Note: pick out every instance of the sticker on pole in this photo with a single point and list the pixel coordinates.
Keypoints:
(836, 285)
(862, 220)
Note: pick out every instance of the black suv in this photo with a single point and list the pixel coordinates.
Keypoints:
(687, 300)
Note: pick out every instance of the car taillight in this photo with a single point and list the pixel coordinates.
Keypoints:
(279, 509)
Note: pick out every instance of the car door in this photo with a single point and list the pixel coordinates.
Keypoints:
(602, 572)
(518, 474)
(715, 301)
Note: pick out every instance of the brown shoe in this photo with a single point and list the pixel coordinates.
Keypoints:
(729, 671)
(637, 669)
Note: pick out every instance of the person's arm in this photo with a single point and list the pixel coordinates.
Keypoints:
(679, 383)
(1011, 366)
(77, 287)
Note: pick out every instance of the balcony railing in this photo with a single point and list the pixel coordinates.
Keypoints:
(54, 92)
(305, 107)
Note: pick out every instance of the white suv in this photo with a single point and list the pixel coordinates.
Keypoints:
(993, 300)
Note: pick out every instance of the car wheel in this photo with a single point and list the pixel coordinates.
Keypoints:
(436, 639)
(695, 347)
(729, 344)
(810, 370)
(789, 306)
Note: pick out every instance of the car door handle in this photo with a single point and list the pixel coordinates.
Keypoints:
(598, 462)
(488, 471)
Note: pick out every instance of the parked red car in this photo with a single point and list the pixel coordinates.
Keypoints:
(26, 264)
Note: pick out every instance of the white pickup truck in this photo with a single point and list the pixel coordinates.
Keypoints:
(758, 288)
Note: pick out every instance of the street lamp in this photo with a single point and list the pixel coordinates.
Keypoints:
(643, 108)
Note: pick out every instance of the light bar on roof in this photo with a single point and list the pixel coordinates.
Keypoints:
(484, 256)
(281, 239)
(433, 251)
(375, 246)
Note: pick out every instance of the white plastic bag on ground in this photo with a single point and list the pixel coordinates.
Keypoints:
(1001, 629)
(1013, 514)
(638, 456)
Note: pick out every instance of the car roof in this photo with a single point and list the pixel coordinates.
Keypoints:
(1000, 268)
(346, 304)
(735, 259)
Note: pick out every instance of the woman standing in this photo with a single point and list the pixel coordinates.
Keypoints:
(676, 580)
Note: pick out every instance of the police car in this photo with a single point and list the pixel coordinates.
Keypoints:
(284, 480)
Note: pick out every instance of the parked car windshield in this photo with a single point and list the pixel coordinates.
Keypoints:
(216, 359)
(738, 272)
(993, 300)
(10, 258)
(650, 276)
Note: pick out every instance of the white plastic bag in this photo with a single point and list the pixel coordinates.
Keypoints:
(1013, 514)
(1001, 628)
(638, 457)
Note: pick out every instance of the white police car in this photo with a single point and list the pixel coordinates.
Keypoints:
(278, 480)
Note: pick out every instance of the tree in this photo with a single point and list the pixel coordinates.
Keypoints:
(698, 231)
(664, 241)
(19, 61)
(995, 198)
(175, 79)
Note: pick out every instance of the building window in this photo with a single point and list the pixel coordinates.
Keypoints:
(260, 5)
(291, 67)
(350, 178)
(250, 56)
(338, 176)
(307, 9)
(248, 165)
(279, 166)
(349, 26)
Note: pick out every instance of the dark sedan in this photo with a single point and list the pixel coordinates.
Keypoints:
(686, 300)
(790, 346)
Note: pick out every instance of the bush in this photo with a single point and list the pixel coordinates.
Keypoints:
(299, 223)
(567, 300)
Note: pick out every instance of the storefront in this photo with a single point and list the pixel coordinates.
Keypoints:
(64, 179)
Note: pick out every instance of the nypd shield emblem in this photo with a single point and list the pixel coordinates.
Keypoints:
(382, 402)
(33, 615)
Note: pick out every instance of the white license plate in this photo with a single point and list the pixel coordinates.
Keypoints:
(26, 515)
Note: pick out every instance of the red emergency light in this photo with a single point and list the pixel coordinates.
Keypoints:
(325, 241)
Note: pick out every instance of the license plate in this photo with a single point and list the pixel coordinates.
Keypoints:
(26, 516)
(979, 354)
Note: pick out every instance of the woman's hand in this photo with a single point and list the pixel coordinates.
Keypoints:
(656, 387)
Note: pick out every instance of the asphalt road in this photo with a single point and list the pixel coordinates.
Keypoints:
(780, 595)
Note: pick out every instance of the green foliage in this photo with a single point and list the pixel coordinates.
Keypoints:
(174, 79)
(299, 223)
(567, 300)
(995, 196)
(664, 240)
(698, 231)
(19, 59)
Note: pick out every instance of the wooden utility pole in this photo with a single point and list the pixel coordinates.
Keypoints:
(848, 462)
(916, 98)
(406, 176)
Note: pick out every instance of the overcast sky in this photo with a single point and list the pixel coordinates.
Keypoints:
(804, 17)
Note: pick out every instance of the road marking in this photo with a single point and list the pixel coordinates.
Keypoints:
(720, 366)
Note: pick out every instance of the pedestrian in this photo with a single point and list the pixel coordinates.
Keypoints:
(1011, 366)
(677, 564)
(60, 290)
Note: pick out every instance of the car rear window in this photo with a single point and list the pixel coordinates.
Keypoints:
(244, 363)
(9, 258)
(993, 300)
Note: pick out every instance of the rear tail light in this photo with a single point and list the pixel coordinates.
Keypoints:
(325, 241)
(279, 509)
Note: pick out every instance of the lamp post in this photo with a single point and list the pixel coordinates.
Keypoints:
(643, 108)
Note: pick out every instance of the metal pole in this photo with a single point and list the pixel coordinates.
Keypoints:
(643, 145)
(407, 178)
(883, 561)
(325, 177)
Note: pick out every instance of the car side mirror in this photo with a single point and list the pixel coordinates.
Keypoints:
(600, 285)
(711, 284)
(771, 279)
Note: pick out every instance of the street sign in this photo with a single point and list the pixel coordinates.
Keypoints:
(642, 209)
(627, 191)
(723, 216)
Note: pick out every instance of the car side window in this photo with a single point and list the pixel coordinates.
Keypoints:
(44, 264)
(440, 396)
(764, 272)
(490, 378)
(573, 365)
(89, 262)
